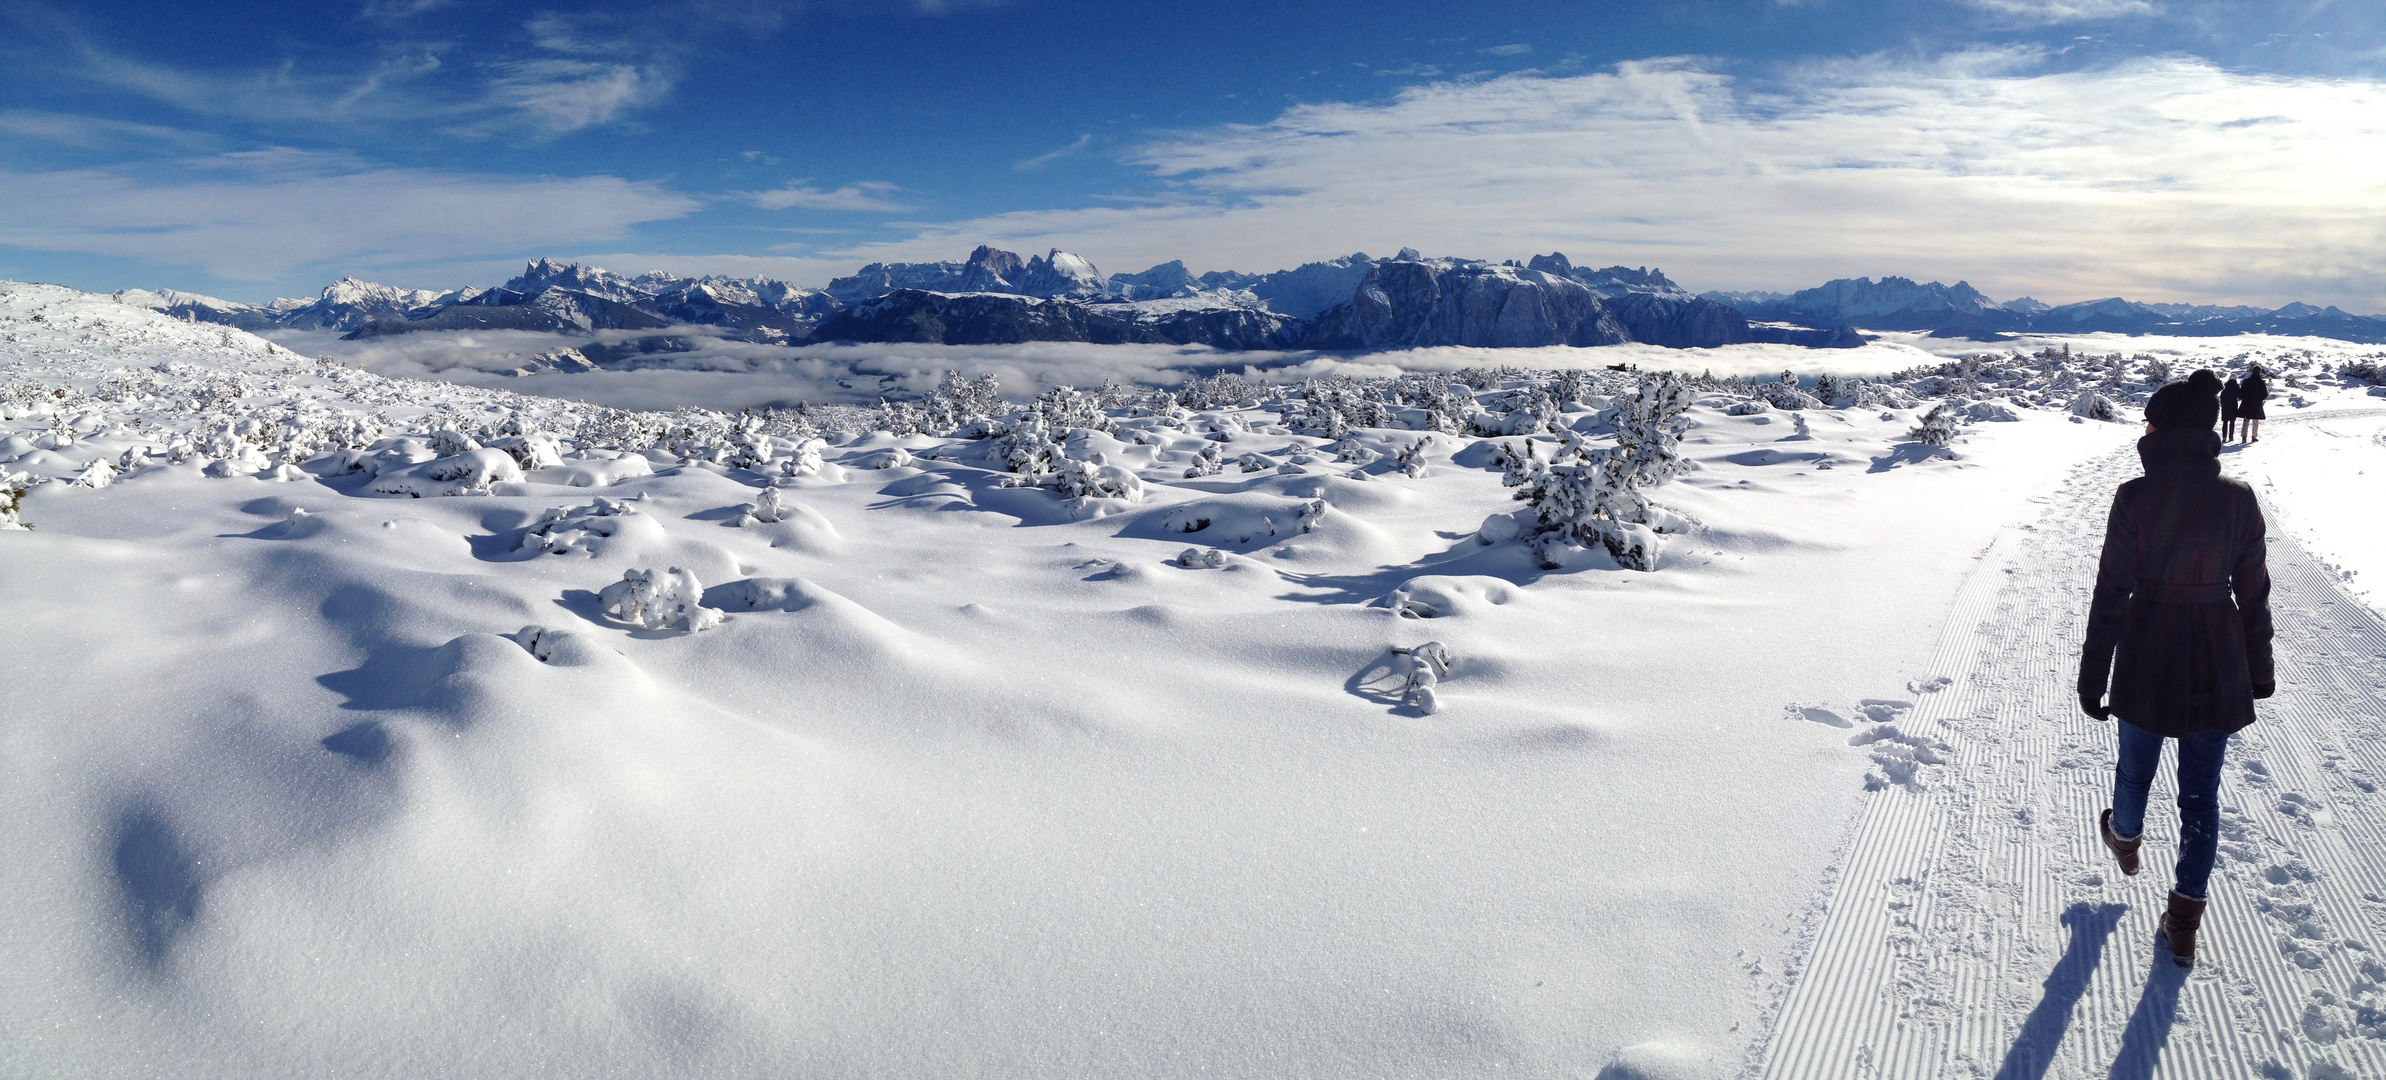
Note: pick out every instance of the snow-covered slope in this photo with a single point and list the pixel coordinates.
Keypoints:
(457, 731)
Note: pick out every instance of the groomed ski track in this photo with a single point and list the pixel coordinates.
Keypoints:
(1978, 929)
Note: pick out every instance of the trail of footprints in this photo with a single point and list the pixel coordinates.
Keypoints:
(1979, 929)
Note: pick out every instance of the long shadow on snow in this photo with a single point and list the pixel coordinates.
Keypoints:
(1913, 453)
(2150, 1023)
(1511, 562)
(158, 881)
(2034, 1050)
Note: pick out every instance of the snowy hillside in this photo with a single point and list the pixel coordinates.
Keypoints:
(1331, 720)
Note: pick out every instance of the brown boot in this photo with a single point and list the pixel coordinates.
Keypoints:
(2178, 928)
(2123, 850)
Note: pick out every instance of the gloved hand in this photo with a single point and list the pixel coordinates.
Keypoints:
(2264, 689)
(2093, 705)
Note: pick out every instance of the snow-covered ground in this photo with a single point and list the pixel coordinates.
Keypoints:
(302, 775)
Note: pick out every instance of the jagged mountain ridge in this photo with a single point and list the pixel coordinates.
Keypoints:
(1354, 301)
(1959, 310)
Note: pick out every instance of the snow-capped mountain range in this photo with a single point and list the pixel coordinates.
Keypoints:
(1959, 310)
(1355, 302)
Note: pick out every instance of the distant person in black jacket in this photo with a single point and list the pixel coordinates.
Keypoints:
(2230, 393)
(2180, 630)
(2250, 395)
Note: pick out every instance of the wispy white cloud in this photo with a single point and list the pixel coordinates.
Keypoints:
(1509, 50)
(254, 216)
(95, 132)
(867, 195)
(2045, 12)
(2142, 178)
(558, 94)
(1040, 161)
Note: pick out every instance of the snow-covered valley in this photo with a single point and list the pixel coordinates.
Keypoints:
(336, 742)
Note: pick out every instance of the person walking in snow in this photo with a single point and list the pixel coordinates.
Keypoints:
(2179, 631)
(2230, 393)
(2250, 395)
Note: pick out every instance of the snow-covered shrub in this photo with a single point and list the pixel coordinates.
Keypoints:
(1597, 496)
(659, 600)
(1028, 449)
(1411, 459)
(1938, 427)
(806, 460)
(1836, 392)
(13, 486)
(1209, 462)
(1428, 665)
(1990, 412)
(473, 472)
(448, 442)
(1252, 463)
(2090, 405)
(1201, 559)
(1803, 430)
(1352, 452)
(766, 508)
(536, 450)
(1075, 479)
(1067, 407)
(893, 457)
(962, 408)
(96, 474)
(1750, 407)
(567, 529)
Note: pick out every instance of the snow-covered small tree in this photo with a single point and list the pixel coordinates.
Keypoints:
(1411, 458)
(1597, 496)
(1938, 427)
(1209, 462)
(659, 600)
(2088, 404)
(1075, 479)
(1428, 665)
(13, 486)
(1029, 449)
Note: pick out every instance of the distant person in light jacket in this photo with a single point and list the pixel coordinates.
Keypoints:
(2250, 395)
(2179, 631)
(2230, 394)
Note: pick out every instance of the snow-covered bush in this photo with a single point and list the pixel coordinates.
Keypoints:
(766, 508)
(13, 486)
(1209, 462)
(472, 472)
(1411, 458)
(1252, 463)
(96, 474)
(1428, 665)
(535, 450)
(1938, 427)
(806, 460)
(567, 529)
(659, 600)
(1201, 559)
(1075, 479)
(1597, 496)
(2090, 405)
(1029, 450)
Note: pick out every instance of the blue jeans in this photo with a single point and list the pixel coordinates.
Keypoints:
(2200, 756)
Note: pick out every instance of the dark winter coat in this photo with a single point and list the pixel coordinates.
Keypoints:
(2229, 396)
(2181, 617)
(2250, 395)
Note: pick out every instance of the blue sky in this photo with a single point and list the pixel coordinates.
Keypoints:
(2064, 148)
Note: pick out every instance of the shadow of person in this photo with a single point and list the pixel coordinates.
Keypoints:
(2150, 1023)
(2034, 1050)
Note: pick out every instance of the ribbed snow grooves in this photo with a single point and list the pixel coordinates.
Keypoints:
(1980, 930)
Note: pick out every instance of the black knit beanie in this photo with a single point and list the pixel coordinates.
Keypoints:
(2191, 404)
